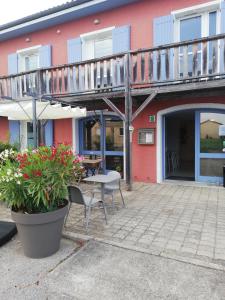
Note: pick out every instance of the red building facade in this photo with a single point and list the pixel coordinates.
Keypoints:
(173, 153)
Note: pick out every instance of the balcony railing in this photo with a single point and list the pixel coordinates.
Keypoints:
(196, 60)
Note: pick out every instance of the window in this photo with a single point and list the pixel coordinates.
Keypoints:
(212, 132)
(190, 28)
(28, 59)
(91, 135)
(30, 135)
(97, 44)
(114, 140)
(195, 26)
(121, 131)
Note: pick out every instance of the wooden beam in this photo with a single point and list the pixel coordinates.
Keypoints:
(180, 87)
(114, 108)
(87, 96)
(144, 104)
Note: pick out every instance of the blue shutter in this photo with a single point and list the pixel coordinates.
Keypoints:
(14, 131)
(163, 33)
(121, 39)
(49, 133)
(12, 63)
(45, 56)
(74, 50)
(222, 7)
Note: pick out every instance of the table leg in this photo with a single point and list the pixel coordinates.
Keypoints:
(103, 200)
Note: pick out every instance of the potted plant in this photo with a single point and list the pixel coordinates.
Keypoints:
(34, 185)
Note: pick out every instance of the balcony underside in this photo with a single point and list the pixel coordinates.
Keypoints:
(181, 90)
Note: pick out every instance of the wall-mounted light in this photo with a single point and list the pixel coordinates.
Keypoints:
(96, 21)
(27, 40)
(58, 31)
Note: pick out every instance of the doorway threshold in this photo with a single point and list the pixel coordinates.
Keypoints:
(191, 183)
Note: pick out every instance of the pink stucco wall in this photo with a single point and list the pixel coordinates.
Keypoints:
(138, 15)
(4, 129)
(63, 131)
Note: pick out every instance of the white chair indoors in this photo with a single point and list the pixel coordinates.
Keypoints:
(112, 187)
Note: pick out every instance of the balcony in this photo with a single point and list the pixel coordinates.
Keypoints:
(196, 64)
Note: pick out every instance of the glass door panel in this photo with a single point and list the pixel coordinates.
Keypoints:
(91, 135)
(210, 143)
(114, 144)
(114, 135)
(103, 137)
(190, 29)
(211, 45)
(30, 135)
(195, 27)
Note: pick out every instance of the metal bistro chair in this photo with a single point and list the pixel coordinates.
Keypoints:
(79, 197)
(112, 187)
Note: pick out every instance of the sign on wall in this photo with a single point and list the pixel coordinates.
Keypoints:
(152, 118)
(146, 136)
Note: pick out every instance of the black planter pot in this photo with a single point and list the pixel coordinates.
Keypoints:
(40, 234)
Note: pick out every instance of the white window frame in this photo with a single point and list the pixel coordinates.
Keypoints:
(202, 10)
(24, 135)
(205, 22)
(90, 37)
(26, 52)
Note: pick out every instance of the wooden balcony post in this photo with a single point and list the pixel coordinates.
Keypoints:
(128, 120)
(34, 121)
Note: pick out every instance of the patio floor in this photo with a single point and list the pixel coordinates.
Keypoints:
(170, 220)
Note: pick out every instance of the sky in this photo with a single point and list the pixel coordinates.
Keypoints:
(15, 9)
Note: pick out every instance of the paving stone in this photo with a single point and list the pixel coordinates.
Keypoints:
(206, 253)
(189, 250)
(188, 221)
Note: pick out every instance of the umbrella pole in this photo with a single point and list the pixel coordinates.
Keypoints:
(34, 108)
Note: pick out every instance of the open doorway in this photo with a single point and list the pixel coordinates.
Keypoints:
(180, 146)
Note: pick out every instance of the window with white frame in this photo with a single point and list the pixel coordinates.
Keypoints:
(194, 23)
(28, 59)
(97, 44)
(26, 135)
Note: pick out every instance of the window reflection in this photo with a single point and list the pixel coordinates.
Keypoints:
(114, 135)
(212, 128)
(30, 135)
(92, 133)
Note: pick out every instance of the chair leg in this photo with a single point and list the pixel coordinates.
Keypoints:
(105, 213)
(67, 213)
(122, 198)
(88, 216)
(113, 203)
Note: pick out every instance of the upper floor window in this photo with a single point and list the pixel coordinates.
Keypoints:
(97, 44)
(198, 26)
(195, 23)
(28, 59)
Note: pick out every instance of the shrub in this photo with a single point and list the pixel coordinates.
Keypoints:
(7, 146)
(37, 180)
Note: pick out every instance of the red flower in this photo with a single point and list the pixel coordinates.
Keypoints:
(26, 176)
(37, 173)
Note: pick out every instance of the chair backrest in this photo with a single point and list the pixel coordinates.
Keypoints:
(116, 177)
(75, 195)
